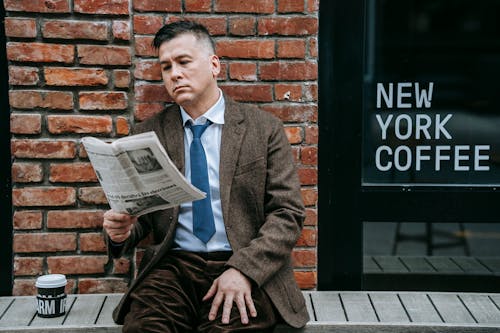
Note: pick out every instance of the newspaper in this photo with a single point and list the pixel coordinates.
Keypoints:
(137, 175)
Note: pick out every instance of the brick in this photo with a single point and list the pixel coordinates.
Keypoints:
(72, 29)
(40, 52)
(216, 26)
(44, 242)
(309, 155)
(25, 28)
(43, 196)
(304, 258)
(310, 196)
(290, 6)
(243, 6)
(223, 72)
(151, 93)
(241, 71)
(288, 92)
(308, 176)
(25, 123)
(27, 172)
(311, 92)
(72, 172)
(103, 100)
(312, 6)
(198, 6)
(294, 134)
(242, 26)
(92, 196)
(158, 6)
(28, 266)
(143, 111)
(313, 47)
(293, 112)
(147, 24)
(143, 46)
(246, 49)
(121, 266)
(79, 124)
(288, 26)
(25, 148)
(66, 76)
(23, 76)
(121, 78)
(111, 7)
(74, 219)
(295, 154)
(38, 6)
(92, 242)
(122, 126)
(31, 99)
(24, 287)
(291, 48)
(27, 219)
(101, 285)
(311, 135)
(289, 71)
(306, 280)
(104, 55)
(250, 93)
(148, 70)
(311, 217)
(121, 30)
(308, 237)
(76, 264)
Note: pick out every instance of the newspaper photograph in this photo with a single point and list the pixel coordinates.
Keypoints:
(137, 176)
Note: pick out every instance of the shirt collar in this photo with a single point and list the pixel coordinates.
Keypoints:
(215, 113)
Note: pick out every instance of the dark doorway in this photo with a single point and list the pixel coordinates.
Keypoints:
(409, 151)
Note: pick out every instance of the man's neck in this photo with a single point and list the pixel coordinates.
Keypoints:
(195, 111)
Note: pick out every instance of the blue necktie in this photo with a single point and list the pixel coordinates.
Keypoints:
(203, 218)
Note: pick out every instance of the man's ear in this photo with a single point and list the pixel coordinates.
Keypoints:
(215, 64)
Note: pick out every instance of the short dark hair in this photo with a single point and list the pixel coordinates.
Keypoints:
(174, 29)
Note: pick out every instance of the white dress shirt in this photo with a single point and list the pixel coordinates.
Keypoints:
(211, 141)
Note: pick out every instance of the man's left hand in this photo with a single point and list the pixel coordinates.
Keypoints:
(231, 287)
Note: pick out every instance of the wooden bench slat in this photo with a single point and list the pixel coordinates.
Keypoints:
(471, 265)
(358, 307)
(419, 308)
(388, 307)
(85, 310)
(370, 266)
(20, 313)
(39, 321)
(493, 263)
(482, 308)
(451, 308)
(417, 265)
(390, 264)
(111, 301)
(327, 306)
(444, 265)
(4, 304)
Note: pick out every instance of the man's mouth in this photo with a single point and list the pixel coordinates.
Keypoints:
(179, 87)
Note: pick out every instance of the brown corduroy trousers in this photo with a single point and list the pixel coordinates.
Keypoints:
(169, 299)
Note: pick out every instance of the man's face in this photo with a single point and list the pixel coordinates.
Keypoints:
(189, 70)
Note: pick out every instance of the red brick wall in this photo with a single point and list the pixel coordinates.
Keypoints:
(82, 67)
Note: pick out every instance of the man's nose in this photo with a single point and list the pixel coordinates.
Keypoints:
(176, 72)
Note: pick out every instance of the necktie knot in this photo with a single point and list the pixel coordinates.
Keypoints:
(198, 130)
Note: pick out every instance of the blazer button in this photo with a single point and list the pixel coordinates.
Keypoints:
(170, 218)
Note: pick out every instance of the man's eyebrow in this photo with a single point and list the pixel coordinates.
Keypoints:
(176, 57)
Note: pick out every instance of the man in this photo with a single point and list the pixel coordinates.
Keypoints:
(221, 264)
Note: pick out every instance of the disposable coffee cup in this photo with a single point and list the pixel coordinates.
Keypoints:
(51, 298)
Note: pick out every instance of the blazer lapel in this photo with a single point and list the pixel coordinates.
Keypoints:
(232, 136)
(173, 136)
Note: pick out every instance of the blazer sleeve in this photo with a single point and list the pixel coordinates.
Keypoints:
(284, 214)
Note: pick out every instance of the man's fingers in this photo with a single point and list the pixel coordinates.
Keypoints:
(211, 292)
(226, 309)
(219, 297)
(240, 303)
(250, 305)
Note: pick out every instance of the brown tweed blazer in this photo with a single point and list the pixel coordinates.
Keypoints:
(261, 203)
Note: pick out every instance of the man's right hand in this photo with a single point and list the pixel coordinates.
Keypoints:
(118, 225)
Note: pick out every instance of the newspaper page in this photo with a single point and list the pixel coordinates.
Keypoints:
(137, 175)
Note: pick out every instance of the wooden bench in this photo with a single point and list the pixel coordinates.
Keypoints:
(354, 312)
